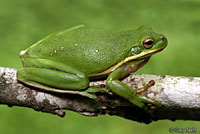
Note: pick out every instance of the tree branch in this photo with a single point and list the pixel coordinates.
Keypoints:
(179, 96)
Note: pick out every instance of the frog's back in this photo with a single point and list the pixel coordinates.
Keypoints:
(90, 50)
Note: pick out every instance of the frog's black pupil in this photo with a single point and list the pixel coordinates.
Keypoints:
(150, 42)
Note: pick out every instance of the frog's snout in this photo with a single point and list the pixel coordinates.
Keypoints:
(164, 40)
(163, 37)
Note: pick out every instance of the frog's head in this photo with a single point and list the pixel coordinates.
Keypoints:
(147, 43)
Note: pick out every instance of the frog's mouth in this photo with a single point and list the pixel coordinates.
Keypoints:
(142, 57)
(142, 63)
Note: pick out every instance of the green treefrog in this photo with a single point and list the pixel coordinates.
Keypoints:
(67, 60)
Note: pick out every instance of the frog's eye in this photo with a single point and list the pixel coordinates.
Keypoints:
(148, 43)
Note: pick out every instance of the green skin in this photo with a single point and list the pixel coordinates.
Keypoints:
(66, 60)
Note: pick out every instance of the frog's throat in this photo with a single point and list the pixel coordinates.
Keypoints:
(143, 54)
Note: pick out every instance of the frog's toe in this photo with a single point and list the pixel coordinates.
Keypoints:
(145, 99)
(96, 89)
(89, 95)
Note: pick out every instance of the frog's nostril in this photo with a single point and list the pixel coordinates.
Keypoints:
(162, 37)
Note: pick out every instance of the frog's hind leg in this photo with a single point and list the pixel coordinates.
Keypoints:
(52, 73)
(41, 78)
(57, 77)
(57, 81)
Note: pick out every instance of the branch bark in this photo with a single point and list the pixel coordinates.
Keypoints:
(179, 96)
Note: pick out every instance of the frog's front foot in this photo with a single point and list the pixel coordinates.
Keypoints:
(127, 92)
(146, 87)
(145, 99)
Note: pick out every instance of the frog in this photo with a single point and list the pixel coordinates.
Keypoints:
(67, 61)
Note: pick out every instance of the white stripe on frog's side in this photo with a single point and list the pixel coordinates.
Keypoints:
(126, 60)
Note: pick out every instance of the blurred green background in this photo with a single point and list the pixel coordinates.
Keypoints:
(23, 22)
